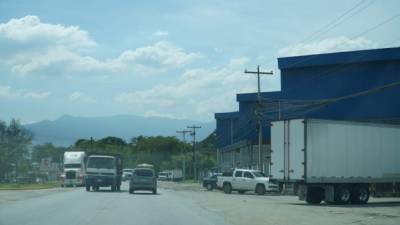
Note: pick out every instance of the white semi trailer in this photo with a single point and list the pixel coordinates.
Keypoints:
(74, 169)
(336, 161)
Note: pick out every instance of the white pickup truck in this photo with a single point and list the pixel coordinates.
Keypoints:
(243, 180)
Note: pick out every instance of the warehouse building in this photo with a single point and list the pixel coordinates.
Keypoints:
(357, 85)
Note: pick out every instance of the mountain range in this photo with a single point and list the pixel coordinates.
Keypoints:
(65, 130)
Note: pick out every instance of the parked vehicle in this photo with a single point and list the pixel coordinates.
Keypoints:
(210, 182)
(126, 174)
(243, 180)
(175, 175)
(171, 175)
(163, 176)
(143, 179)
(74, 169)
(145, 165)
(336, 161)
(103, 170)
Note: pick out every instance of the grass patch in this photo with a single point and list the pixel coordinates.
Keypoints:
(190, 181)
(13, 186)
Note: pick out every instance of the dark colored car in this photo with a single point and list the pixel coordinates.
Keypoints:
(143, 179)
(210, 182)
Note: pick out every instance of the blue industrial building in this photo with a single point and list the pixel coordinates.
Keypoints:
(357, 85)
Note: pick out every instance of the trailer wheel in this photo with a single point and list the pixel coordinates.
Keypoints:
(113, 187)
(227, 188)
(342, 194)
(87, 187)
(360, 194)
(314, 195)
(131, 191)
(260, 189)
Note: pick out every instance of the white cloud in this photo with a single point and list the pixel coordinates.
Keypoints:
(198, 94)
(59, 61)
(78, 96)
(30, 29)
(8, 93)
(152, 113)
(37, 95)
(34, 47)
(161, 53)
(161, 33)
(328, 45)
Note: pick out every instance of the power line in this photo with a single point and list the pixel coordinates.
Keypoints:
(314, 103)
(336, 21)
(323, 102)
(354, 37)
(344, 20)
(377, 26)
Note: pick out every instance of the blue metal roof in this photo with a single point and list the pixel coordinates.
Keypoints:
(226, 115)
(339, 58)
(253, 96)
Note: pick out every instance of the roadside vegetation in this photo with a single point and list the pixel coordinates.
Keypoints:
(22, 163)
(31, 186)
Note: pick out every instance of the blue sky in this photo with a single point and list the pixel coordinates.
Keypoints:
(180, 59)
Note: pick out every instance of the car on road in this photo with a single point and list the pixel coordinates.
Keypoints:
(210, 182)
(126, 174)
(243, 180)
(163, 176)
(143, 179)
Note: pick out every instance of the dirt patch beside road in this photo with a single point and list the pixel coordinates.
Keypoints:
(284, 210)
(17, 195)
(180, 186)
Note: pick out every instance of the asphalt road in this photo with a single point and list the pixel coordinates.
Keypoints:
(75, 206)
(183, 203)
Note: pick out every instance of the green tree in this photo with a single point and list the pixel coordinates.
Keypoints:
(48, 150)
(14, 143)
(155, 150)
(112, 141)
(4, 165)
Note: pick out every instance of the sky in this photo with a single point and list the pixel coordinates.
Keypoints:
(177, 59)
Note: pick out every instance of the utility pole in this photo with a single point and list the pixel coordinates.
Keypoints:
(91, 144)
(259, 111)
(193, 133)
(183, 132)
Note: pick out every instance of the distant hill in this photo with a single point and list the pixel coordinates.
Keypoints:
(65, 130)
